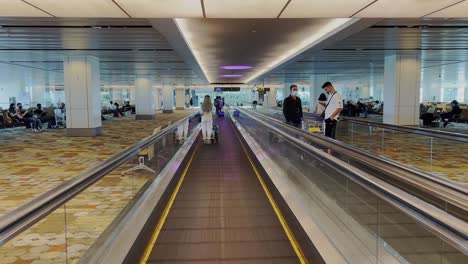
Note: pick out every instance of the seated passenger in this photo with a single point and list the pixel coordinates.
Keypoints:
(116, 111)
(13, 115)
(28, 117)
(454, 113)
(349, 109)
(20, 116)
(127, 107)
(42, 115)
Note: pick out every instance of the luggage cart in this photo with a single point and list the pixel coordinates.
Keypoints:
(314, 124)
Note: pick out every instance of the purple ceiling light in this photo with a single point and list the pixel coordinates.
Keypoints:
(231, 75)
(236, 67)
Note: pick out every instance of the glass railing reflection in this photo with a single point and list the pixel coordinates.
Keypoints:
(357, 220)
(67, 233)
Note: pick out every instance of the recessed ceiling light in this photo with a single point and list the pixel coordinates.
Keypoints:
(230, 75)
(236, 67)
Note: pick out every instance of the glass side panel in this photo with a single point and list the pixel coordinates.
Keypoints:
(357, 222)
(80, 221)
(44, 242)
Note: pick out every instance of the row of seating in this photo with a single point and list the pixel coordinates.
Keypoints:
(54, 118)
(436, 108)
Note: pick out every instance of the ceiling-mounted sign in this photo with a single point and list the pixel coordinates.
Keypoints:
(263, 89)
(227, 89)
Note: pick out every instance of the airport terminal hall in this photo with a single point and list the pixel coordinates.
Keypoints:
(233, 131)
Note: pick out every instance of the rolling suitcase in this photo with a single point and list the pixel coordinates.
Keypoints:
(221, 113)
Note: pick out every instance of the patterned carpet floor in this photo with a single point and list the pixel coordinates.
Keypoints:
(439, 156)
(35, 163)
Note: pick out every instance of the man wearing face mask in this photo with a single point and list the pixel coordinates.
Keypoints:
(333, 109)
(292, 107)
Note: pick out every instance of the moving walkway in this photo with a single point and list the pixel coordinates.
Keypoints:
(438, 191)
(259, 196)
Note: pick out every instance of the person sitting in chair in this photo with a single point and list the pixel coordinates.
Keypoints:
(454, 113)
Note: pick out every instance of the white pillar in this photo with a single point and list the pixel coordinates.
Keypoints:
(131, 96)
(272, 97)
(157, 99)
(180, 98)
(401, 88)
(82, 96)
(144, 98)
(372, 92)
(168, 99)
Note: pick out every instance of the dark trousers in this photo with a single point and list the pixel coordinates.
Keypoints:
(330, 128)
(296, 124)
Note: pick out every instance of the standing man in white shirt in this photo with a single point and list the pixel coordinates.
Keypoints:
(332, 109)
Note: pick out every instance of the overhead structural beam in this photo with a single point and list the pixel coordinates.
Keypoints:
(168, 28)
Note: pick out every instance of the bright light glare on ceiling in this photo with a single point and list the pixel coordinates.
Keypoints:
(230, 75)
(183, 29)
(315, 37)
(236, 67)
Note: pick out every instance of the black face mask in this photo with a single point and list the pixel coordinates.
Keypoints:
(20, 107)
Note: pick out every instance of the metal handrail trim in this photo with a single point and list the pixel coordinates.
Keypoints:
(414, 130)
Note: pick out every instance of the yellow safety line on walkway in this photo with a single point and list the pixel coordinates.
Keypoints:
(284, 224)
(155, 235)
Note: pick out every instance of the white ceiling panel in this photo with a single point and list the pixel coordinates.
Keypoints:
(323, 8)
(404, 8)
(459, 10)
(79, 8)
(162, 8)
(243, 8)
(12, 8)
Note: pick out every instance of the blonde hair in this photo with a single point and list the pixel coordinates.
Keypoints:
(207, 105)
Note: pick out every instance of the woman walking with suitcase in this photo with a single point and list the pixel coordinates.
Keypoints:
(207, 119)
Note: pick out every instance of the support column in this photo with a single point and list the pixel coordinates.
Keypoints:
(401, 88)
(144, 98)
(131, 95)
(82, 96)
(157, 99)
(180, 98)
(372, 92)
(272, 97)
(168, 99)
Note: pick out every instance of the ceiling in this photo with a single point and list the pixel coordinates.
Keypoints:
(125, 47)
(257, 43)
(233, 8)
(129, 47)
(439, 42)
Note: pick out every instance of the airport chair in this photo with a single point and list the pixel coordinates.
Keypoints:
(148, 152)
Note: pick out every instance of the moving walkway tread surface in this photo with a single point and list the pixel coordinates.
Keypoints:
(221, 213)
